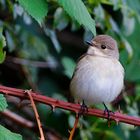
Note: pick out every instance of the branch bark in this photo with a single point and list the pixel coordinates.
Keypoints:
(54, 103)
(36, 115)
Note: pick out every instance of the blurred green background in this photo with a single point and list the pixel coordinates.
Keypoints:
(43, 58)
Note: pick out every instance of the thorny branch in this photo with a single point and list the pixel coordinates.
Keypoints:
(36, 114)
(54, 103)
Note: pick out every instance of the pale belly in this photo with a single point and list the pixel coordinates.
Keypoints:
(97, 82)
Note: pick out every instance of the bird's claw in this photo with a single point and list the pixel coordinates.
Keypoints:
(108, 112)
(83, 109)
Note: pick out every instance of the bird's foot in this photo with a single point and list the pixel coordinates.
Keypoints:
(83, 109)
(108, 112)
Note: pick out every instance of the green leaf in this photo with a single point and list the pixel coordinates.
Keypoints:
(77, 10)
(133, 67)
(3, 103)
(2, 39)
(68, 65)
(2, 44)
(36, 8)
(5, 134)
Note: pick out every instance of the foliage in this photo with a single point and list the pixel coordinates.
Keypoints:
(5, 134)
(3, 103)
(78, 11)
(2, 44)
(31, 6)
(57, 41)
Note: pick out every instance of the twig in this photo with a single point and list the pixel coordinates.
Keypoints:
(18, 119)
(117, 116)
(36, 114)
(75, 126)
(26, 62)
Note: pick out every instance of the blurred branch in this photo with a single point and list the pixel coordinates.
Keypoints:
(32, 63)
(54, 103)
(17, 119)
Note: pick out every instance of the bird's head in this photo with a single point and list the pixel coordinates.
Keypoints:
(103, 45)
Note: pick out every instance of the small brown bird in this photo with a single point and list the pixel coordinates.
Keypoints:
(99, 76)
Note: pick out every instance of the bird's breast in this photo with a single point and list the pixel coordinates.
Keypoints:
(97, 79)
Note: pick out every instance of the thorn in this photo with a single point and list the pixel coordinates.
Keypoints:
(41, 126)
(119, 109)
(53, 108)
(69, 131)
(27, 90)
(117, 121)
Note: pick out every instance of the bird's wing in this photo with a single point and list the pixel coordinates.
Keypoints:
(81, 57)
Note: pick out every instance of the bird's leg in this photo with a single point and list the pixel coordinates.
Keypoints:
(83, 109)
(107, 111)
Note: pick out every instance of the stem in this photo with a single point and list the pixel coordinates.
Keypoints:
(117, 116)
(36, 114)
(75, 126)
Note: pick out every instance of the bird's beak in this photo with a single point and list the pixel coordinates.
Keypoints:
(89, 43)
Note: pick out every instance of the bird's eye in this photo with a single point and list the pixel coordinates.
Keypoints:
(103, 46)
